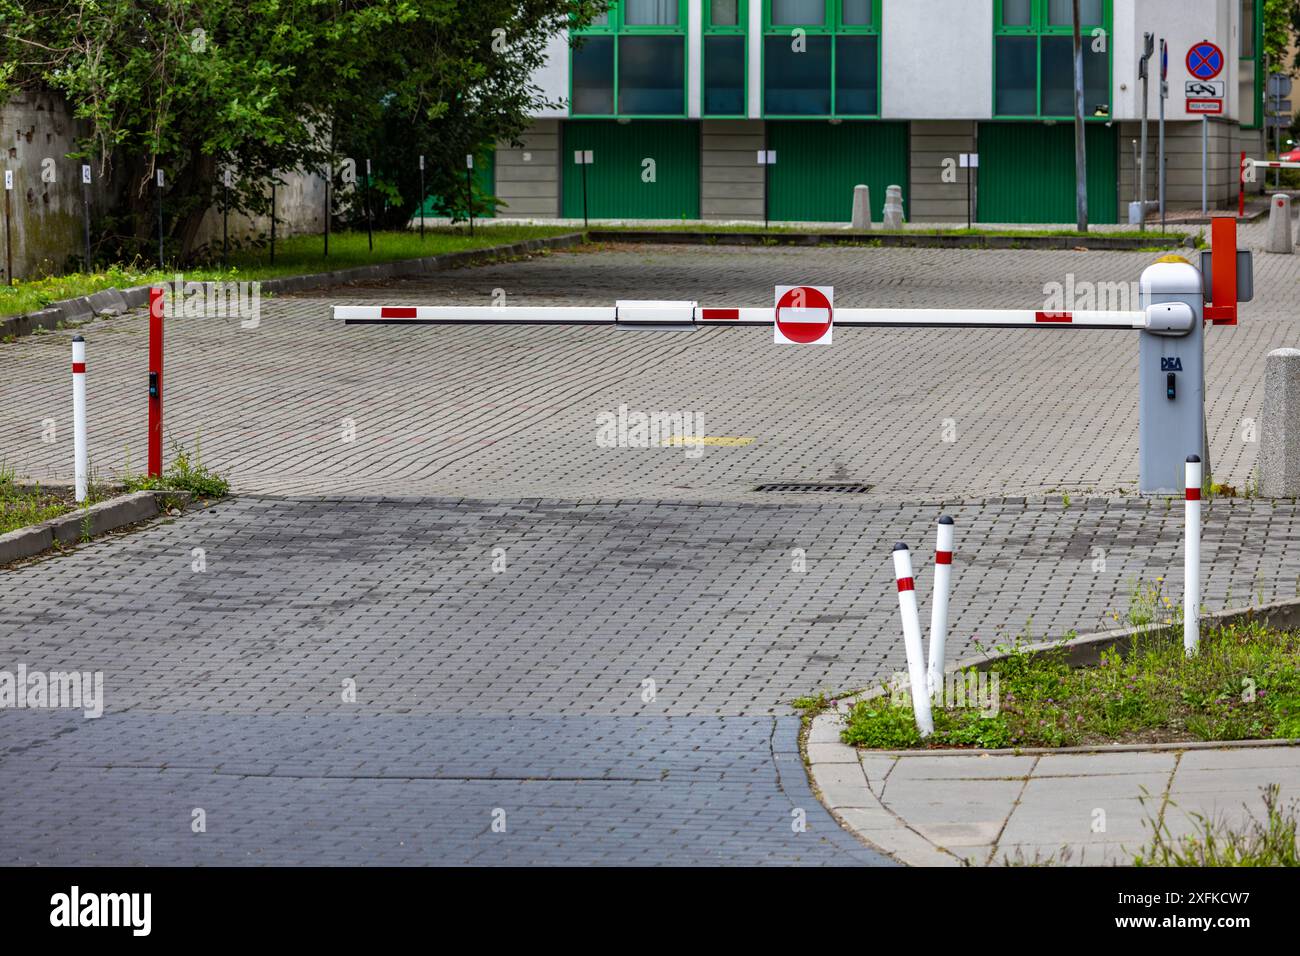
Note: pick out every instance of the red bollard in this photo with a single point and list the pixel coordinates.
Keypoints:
(155, 381)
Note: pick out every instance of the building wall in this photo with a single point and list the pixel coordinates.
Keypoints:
(933, 142)
(528, 176)
(937, 59)
(731, 181)
(1183, 163)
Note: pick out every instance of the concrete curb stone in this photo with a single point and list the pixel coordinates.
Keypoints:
(66, 530)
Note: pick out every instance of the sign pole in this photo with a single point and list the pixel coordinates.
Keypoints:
(469, 189)
(9, 239)
(370, 233)
(422, 197)
(1205, 164)
(273, 217)
(1148, 47)
(1160, 160)
(159, 190)
(225, 217)
(583, 157)
(85, 210)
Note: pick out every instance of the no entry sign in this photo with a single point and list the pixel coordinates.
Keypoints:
(804, 315)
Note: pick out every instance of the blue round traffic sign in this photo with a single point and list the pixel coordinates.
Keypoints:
(1205, 60)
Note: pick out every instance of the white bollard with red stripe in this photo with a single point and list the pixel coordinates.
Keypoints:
(1192, 558)
(79, 416)
(912, 639)
(939, 606)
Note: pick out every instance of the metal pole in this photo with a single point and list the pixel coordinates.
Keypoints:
(1160, 159)
(1192, 558)
(225, 218)
(80, 459)
(584, 191)
(85, 210)
(422, 198)
(9, 240)
(1148, 45)
(155, 381)
(766, 178)
(1205, 164)
(329, 181)
(469, 191)
(272, 218)
(159, 189)
(370, 235)
(1080, 134)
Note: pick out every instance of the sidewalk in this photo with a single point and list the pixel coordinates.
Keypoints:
(928, 808)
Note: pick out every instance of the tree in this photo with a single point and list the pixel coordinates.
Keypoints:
(266, 85)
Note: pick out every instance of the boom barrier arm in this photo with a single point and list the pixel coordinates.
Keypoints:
(1166, 317)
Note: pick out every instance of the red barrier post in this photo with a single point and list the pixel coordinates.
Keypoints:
(155, 381)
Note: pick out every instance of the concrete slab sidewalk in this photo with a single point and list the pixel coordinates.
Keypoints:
(928, 808)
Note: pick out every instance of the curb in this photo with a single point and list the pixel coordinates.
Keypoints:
(67, 530)
(884, 239)
(115, 301)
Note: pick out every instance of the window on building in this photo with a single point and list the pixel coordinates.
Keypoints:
(724, 48)
(1033, 52)
(1248, 29)
(821, 58)
(631, 61)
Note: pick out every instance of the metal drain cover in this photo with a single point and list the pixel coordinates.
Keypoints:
(817, 487)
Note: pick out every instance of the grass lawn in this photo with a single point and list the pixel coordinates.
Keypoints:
(18, 509)
(297, 255)
(1243, 685)
(1172, 237)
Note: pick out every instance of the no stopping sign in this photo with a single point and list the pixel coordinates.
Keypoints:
(804, 315)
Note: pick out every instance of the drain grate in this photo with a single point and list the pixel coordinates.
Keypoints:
(824, 487)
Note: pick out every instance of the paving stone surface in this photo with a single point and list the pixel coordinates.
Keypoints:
(303, 405)
(525, 688)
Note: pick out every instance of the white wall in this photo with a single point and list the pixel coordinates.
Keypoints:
(553, 77)
(1182, 23)
(938, 59)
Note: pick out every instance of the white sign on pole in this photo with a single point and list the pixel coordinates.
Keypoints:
(1211, 89)
(160, 179)
(469, 161)
(583, 157)
(767, 157)
(970, 160)
(228, 178)
(85, 173)
(421, 161)
(9, 179)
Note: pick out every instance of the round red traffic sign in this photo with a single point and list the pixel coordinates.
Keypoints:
(1205, 60)
(803, 315)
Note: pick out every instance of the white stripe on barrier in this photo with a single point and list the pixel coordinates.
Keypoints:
(1271, 164)
(1192, 557)
(939, 606)
(80, 460)
(912, 639)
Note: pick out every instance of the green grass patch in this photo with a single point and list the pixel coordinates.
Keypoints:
(1267, 840)
(185, 473)
(297, 255)
(1243, 685)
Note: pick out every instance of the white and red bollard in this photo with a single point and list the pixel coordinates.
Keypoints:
(939, 607)
(1192, 558)
(912, 639)
(79, 417)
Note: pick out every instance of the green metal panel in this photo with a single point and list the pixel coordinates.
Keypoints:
(1026, 173)
(819, 163)
(621, 184)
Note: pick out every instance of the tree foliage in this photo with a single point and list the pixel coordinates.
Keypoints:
(279, 85)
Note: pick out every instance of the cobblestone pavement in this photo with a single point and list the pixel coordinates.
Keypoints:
(525, 689)
(513, 412)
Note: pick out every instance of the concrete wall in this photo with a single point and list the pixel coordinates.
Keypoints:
(1183, 169)
(731, 181)
(528, 176)
(937, 59)
(299, 208)
(45, 225)
(933, 141)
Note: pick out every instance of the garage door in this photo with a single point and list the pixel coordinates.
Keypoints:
(646, 169)
(1027, 173)
(818, 164)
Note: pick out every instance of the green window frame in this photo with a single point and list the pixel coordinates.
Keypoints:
(1043, 32)
(732, 35)
(829, 33)
(616, 30)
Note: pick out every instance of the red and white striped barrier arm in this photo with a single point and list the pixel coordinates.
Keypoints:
(1164, 317)
(1271, 164)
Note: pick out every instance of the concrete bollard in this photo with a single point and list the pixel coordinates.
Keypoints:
(893, 208)
(1279, 224)
(1279, 440)
(861, 207)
